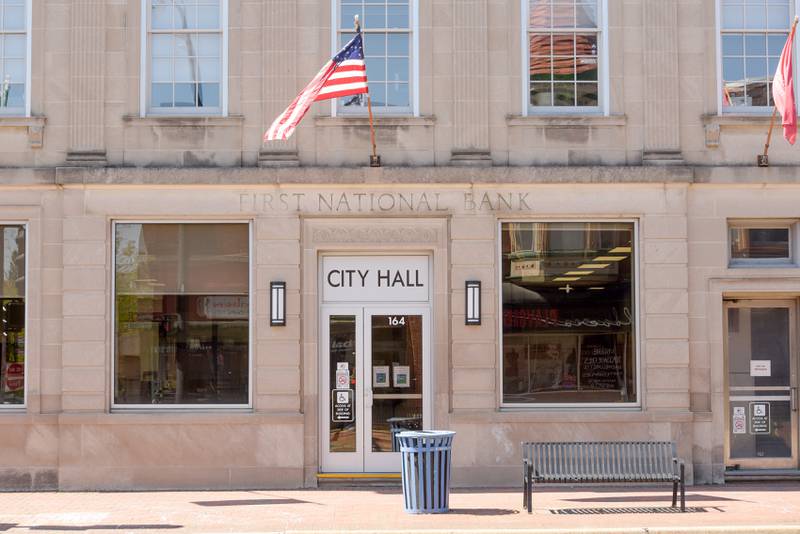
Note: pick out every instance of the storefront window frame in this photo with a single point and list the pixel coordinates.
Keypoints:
(251, 295)
(637, 405)
(791, 225)
(16, 408)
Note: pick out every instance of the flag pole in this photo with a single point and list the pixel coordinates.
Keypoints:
(374, 159)
(763, 159)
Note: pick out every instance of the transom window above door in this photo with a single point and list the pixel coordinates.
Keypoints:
(388, 51)
(753, 33)
(184, 60)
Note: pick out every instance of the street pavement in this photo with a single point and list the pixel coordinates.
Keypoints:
(735, 508)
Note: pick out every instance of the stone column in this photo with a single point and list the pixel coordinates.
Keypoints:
(470, 83)
(87, 68)
(279, 46)
(661, 85)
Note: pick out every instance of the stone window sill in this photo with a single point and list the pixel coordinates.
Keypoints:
(183, 120)
(34, 125)
(575, 121)
(740, 120)
(380, 121)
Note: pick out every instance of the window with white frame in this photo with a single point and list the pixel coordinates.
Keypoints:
(185, 56)
(563, 54)
(762, 242)
(753, 33)
(14, 36)
(388, 48)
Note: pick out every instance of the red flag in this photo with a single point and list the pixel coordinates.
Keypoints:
(783, 90)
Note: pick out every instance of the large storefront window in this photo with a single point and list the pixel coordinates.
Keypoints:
(182, 314)
(12, 315)
(568, 313)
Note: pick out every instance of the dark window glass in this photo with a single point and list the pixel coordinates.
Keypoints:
(760, 243)
(568, 313)
(12, 314)
(182, 314)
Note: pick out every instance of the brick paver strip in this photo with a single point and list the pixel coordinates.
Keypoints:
(739, 509)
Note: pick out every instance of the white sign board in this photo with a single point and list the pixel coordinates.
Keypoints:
(525, 268)
(375, 279)
(760, 367)
(739, 420)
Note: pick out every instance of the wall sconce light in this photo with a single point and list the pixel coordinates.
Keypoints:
(277, 303)
(473, 303)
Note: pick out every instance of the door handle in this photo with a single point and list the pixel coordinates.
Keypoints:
(793, 397)
(368, 398)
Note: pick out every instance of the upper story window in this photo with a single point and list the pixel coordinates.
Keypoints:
(388, 51)
(185, 57)
(563, 55)
(753, 33)
(14, 35)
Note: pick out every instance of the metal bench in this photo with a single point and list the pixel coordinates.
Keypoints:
(603, 462)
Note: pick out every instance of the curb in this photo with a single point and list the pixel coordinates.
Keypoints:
(756, 529)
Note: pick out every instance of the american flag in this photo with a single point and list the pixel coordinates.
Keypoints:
(344, 75)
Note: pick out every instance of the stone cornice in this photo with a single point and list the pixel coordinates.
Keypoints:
(418, 176)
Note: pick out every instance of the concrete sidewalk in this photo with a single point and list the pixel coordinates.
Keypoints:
(741, 508)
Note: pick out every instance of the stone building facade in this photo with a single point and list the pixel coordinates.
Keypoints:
(185, 306)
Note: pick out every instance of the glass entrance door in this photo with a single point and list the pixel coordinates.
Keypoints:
(374, 377)
(761, 368)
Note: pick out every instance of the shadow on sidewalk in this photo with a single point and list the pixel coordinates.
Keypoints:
(78, 528)
(251, 502)
(648, 498)
(482, 511)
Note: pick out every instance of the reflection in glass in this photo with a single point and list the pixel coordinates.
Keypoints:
(387, 45)
(568, 313)
(759, 428)
(181, 314)
(760, 243)
(13, 53)
(12, 314)
(560, 65)
(343, 361)
(397, 404)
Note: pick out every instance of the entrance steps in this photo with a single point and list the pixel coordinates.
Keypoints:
(358, 480)
(756, 475)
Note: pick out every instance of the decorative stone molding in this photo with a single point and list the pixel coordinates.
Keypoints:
(470, 83)
(87, 82)
(33, 125)
(278, 158)
(374, 234)
(661, 75)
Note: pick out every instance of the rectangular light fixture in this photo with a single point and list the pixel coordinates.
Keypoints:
(620, 250)
(578, 273)
(594, 266)
(610, 258)
(566, 279)
(472, 314)
(277, 303)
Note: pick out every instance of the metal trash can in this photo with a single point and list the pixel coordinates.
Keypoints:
(426, 470)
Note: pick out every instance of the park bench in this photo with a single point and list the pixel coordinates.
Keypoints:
(601, 462)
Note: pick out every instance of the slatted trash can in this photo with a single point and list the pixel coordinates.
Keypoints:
(426, 470)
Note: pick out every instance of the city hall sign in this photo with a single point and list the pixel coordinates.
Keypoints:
(354, 202)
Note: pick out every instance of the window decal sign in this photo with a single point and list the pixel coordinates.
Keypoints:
(739, 420)
(759, 418)
(342, 406)
(760, 367)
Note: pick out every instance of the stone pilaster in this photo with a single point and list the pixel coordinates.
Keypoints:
(470, 83)
(87, 70)
(279, 43)
(661, 84)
